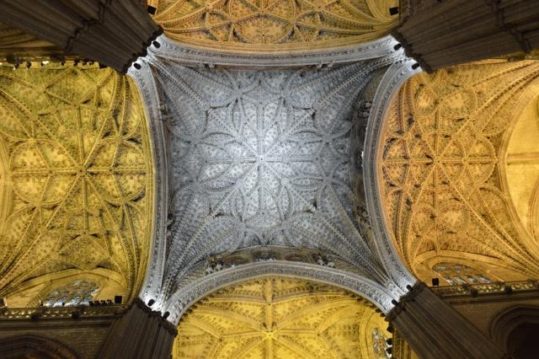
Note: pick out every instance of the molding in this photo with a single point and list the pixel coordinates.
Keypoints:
(156, 263)
(395, 76)
(186, 296)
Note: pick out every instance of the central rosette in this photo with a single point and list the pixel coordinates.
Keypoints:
(264, 149)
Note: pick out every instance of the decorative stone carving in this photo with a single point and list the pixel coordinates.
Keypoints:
(78, 185)
(279, 317)
(441, 164)
(263, 26)
(261, 158)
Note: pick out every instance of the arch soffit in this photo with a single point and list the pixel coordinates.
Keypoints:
(389, 86)
(374, 292)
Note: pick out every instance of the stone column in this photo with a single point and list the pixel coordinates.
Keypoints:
(444, 33)
(140, 333)
(114, 33)
(435, 330)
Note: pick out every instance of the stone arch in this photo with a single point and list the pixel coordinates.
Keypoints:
(31, 346)
(377, 294)
(393, 79)
(517, 330)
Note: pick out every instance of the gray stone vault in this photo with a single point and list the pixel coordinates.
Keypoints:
(269, 155)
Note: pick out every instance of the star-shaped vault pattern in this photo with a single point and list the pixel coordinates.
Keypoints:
(260, 158)
(280, 318)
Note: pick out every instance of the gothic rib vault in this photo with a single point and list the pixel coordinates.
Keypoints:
(257, 158)
(77, 186)
(262, 163)
(265, 26)
(282, 318)
(455, 176)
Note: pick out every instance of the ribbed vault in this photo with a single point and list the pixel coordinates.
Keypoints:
(448, 176)
(78, 185)
(284, 25)
(262, 158)
(281, 318)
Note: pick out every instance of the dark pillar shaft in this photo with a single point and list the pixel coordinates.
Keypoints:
(141, 333)
(114, 33)
(444, 33)
(436, 330)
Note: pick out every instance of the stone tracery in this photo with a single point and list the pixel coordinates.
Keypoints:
(277, 318)
(441, 168)
(79, 175)
(274, 25)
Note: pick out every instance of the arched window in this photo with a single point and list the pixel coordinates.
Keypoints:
(456, 274)
(75, 293)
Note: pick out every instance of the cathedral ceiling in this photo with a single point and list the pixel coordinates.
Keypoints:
(282, 25)
(281, 318)
(262, 158)
(77, 183)
(459, 170)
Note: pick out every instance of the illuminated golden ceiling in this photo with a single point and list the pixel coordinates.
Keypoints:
(281, 318)
(77, 187)
(265, 25)
(449, 180)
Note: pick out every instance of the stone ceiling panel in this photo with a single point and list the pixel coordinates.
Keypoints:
(281, 318)
(78, 182)
(261, 158)
(283, 25)
(442, 170)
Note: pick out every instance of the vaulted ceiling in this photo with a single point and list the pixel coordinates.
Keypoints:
(458, 170)
(265, 25)
(282, 318)
(77, 183)
(245, 158)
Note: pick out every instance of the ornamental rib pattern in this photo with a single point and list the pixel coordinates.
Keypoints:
(261, 158)
(261, 25)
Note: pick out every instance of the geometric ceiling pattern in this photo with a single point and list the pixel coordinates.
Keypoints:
(76, 168)
(281, 318)
(443, 169)
(263, 25)
(262, 158)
